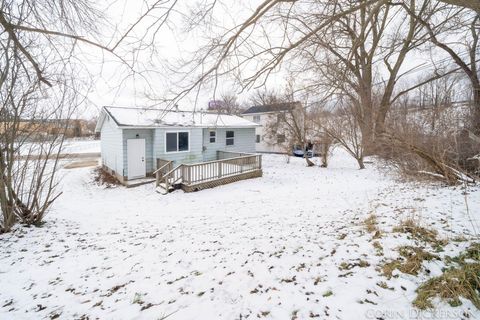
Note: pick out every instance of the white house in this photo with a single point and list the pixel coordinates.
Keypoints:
(134, 139)
(267, 116)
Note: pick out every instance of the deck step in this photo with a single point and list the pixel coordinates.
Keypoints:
(162, 188)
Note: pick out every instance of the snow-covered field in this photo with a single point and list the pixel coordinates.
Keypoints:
(70, 146)
(81, 146)
(289, 245)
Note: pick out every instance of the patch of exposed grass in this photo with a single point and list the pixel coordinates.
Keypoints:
(384, 285)
(460, 280)
(410, 261)
(454, 283)
(263, 313)
(371, 226)
(378, 248)
(471, 254)
(327, 293)
(350, 265)
(418, 232)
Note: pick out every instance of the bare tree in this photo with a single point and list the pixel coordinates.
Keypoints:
(227, 104)
(465, 25)
(287, 128)
(342, 127)
(29, 147)
(41, 83)
(358, 48)
(264, 97)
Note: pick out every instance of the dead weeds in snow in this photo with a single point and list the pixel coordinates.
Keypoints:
(460, 280)
(411, 227)
(103, 178)
(454, 283)
(378, 248)
(410, 261)
(371, 225)
(350, 265)
(471, 254)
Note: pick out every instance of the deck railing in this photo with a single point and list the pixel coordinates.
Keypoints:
(164, 166)
(227, 165)
(217, 169)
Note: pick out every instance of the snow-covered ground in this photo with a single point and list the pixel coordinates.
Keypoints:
(270, 247)
(81, 146)
(70, 146)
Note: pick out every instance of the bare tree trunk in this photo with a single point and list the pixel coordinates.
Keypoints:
(361, 165)
(476, 109)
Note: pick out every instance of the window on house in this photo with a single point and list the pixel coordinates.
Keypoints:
(183, 141)
(256, 119)
(257, 138)
(280, 138)
(230, 138)
(177, 141)
(213, 136)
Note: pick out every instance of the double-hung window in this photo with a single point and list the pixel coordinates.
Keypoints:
(177, 141)
(213, 136)
(230, 138)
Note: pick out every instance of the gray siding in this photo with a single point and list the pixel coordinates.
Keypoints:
(146, 134)
(244, 142)
(111, 146)
(114, 145)
(192, 156)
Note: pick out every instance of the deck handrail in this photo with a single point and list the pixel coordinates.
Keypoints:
(173, 170)
(218, 169)
(240, 154)
(212, 161)
(162, 167)
(166, 177)
(205, 172)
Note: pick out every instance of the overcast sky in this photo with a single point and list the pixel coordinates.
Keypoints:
(159, 64)
(114, 83)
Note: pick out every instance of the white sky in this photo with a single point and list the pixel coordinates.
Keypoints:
(112, 87)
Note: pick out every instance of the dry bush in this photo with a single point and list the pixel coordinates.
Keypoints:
(103, 178)
(342, 127)
(421, 152)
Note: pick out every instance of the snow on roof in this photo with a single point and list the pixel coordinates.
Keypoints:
(140, 117)
(275, 107)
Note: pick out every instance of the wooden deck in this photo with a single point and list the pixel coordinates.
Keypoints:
(230, 167)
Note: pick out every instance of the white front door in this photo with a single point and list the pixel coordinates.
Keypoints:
(136, 158)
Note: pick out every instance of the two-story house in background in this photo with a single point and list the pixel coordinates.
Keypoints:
(273, 136)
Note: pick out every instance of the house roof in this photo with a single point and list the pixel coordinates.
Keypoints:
(152, 118)
(274, 107)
